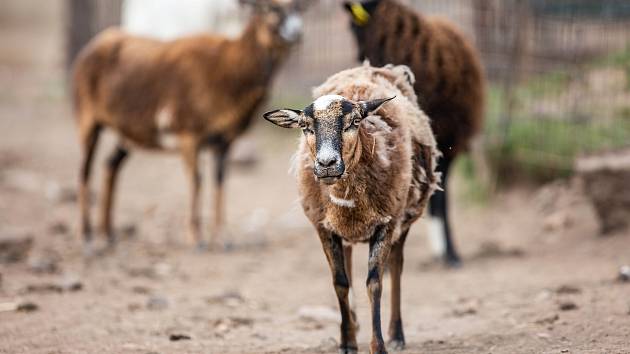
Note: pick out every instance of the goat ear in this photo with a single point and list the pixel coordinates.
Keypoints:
(286, 118)
(371, 106)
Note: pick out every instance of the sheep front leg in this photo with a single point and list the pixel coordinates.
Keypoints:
(335, 256)
(347, 258)
(89, 139)
(379, 253)
(396, 335)
(189, 154)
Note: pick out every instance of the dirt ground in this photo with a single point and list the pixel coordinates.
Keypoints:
(537, 278)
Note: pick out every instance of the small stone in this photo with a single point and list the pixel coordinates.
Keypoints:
(42, 288)
(15, 249)
(139, 289)
(319, 313)
(178, 337)
(229, 299)
(568, 289)
(71, 283)
(466, 311)
(567, 306)
(58, 228)
(548, 320)
(224, 325)
(624, 274)
(45, 263)
(27, 307)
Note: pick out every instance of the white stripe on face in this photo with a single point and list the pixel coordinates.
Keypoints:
(324, 102)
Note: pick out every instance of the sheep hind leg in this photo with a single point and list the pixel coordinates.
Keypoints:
(89, 140)
(379, 253)
(114, 163)
(440, 236)
(396, 335)
(217, 232)
(335, 255)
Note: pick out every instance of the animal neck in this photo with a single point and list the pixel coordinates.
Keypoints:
(265, 53)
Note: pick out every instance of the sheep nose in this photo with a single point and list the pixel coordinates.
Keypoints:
(327, 161)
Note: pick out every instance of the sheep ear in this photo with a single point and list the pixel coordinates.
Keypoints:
(286, 118)
(371, 106)
(256, 4)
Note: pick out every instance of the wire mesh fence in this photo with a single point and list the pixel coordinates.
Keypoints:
(559, 72)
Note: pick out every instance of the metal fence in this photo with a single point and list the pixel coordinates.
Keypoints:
(559, 71)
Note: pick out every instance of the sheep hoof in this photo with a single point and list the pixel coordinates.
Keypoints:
(348, 350)
(221, 246)
(396, 344)
(111, 243)
(452, 261)
(89, 250)
(201, 246)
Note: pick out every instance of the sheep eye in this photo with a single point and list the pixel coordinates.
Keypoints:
(356, 121)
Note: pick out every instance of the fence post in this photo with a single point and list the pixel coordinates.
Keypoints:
(84, 19)
(519, 11)
(80, 18)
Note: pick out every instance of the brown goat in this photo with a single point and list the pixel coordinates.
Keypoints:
(182, 95)
(364, 178)
(450, 85)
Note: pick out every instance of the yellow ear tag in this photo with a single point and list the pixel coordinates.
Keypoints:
(360, 16)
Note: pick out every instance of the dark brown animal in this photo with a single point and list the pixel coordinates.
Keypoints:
(184, 95)
(450, 85)
(365, 174)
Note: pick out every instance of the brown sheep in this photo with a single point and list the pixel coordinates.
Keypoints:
(182, 95)
(365, 174)
(449, 83)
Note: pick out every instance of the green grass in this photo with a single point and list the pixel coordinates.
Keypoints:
(619, 59)
(538, 149)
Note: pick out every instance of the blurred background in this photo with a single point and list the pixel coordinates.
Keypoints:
(547, 177)
(559, 70)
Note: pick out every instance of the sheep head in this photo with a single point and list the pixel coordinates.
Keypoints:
(331, 128)
(282, 19)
